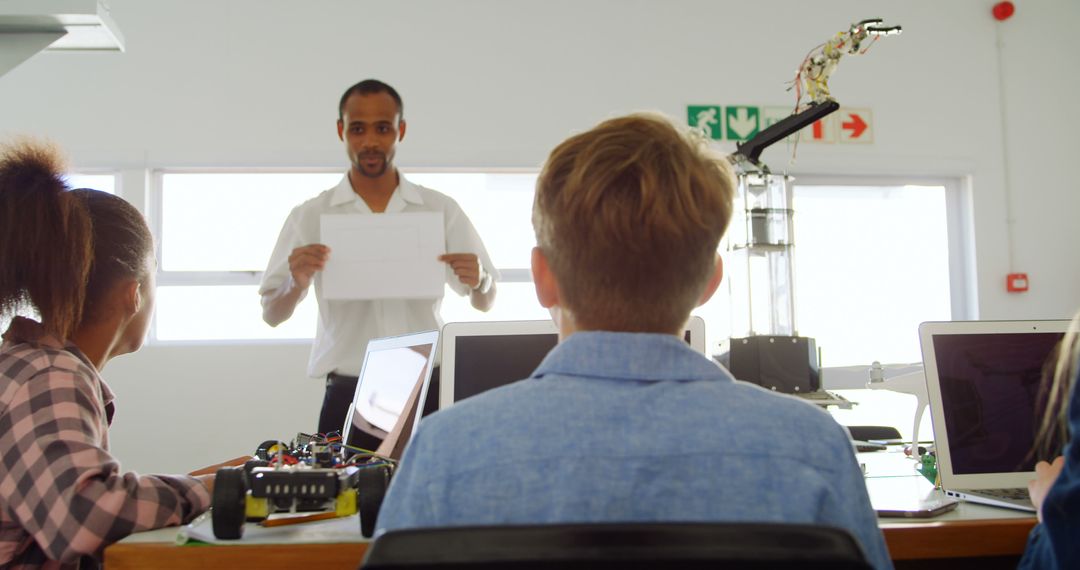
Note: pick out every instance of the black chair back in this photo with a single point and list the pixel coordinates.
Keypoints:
(867, 433)
(619, 545)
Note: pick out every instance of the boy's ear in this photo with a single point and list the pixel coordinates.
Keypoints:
(714, 281)
(547, 289)
(401, 130)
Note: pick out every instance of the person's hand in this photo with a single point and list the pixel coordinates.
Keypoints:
(1045, 475)
(208, 481)
(206, 475)
(465, 265)
(305, 261)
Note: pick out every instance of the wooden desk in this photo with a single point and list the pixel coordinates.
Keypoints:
(969, 531)
(166, 556)
(957, 538)
(950, 536)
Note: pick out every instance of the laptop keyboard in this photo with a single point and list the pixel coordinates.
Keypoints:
(1017, 494)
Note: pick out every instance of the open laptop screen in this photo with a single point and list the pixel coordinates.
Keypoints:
(990, 392)
(489, 361)
(479, 356)
(393, 381)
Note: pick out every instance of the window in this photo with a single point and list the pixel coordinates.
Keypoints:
(872, 257)
(229, 222)
(500, 207)
(225, 313)
(872, 262)
(212, 258)
(217, 230)
(103, 182)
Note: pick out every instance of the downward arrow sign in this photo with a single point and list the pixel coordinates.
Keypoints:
(742, 123)
(855, 125)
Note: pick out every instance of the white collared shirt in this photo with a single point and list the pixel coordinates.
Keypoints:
(345, 327)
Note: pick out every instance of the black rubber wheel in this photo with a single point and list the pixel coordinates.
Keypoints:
(263, 451)
(251, 464)
(230, 491)
(371, 487)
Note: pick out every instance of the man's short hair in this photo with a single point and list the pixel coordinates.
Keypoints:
(629, 216)
(370, 87)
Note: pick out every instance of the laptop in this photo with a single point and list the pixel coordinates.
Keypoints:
(392, 385)
(479, 356)
(983, 379)
(907, 497)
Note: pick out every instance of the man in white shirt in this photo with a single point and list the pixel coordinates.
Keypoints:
(370, 123)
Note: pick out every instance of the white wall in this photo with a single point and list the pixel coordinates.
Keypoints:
(498, 83)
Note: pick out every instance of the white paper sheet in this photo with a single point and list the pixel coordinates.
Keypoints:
(343, 529)
(383, 256)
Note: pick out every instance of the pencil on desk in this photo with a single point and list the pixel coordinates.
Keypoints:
(299, 519)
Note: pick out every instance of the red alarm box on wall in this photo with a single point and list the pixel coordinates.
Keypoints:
(1016, 282)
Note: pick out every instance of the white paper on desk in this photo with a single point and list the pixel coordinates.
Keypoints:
(342, 529)
(383, 256)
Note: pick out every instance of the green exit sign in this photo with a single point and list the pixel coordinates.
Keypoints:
(706, 118)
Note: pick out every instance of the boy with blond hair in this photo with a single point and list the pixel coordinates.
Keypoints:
(622, 421)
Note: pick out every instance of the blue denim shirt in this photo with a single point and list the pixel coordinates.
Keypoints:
(1055, 543)
(626, 427)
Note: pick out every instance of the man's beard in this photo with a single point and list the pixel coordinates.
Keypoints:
(361, 165)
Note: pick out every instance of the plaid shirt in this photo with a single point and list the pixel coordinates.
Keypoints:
(62, 495)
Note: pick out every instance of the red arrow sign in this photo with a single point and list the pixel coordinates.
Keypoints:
(855, 125)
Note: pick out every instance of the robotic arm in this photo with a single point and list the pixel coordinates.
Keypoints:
(750, 151)
(820, 63)
(813, 76)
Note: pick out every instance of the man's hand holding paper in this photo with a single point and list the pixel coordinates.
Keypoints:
(305, 261)
(466, 266)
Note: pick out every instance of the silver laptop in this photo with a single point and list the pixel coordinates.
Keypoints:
(984, 379)
(479, 356)
(393, 383)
